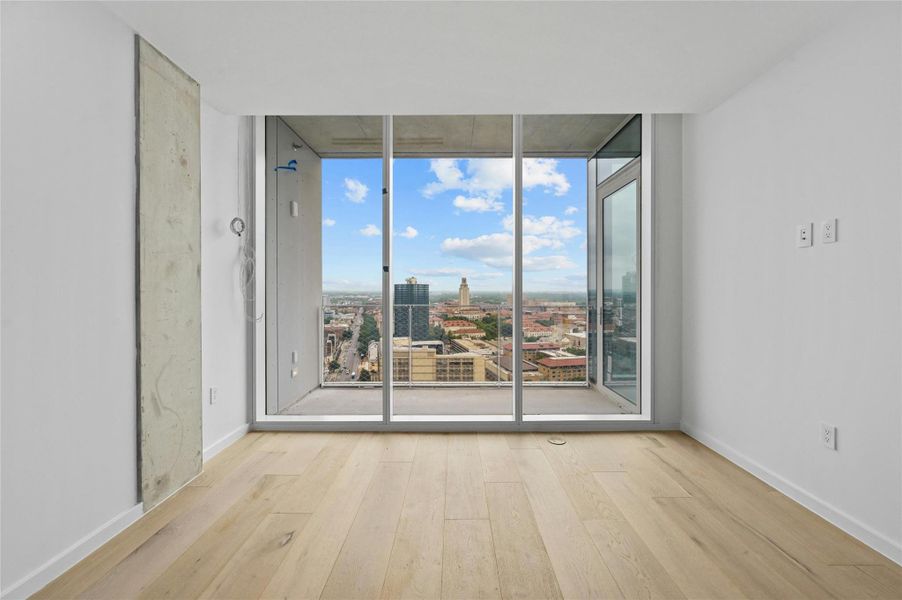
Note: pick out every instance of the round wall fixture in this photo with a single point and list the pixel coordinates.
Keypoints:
(237, 226)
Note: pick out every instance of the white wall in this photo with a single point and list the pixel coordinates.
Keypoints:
(777, 339)
(68, 279)
(69, 467)
(224, 195)
(668, 192)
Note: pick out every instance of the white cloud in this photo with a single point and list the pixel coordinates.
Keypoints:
(355, 190)
(327, 222)
(571, 210)
(489, 177)
(494, 249)
(547, 263)
(409, 233)
(479, 205)
(547, 226)
(370, 230)
(448, 174)
(440, 272)
(488, 248)
(542, 172)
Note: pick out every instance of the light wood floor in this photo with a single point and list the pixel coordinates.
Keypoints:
(362, 515)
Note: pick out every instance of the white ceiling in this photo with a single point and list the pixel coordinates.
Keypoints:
(367, 58)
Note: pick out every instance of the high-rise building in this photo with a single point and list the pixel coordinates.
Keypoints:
(464, 293)
(411, 309)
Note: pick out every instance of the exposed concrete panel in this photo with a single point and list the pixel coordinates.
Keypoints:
(169, 303)
(294, 268)
(455, 135)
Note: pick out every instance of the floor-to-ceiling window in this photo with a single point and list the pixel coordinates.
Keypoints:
(325, 264)
(452, 264)
(433, 275)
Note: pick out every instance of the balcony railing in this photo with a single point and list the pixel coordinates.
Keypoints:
(450, 346)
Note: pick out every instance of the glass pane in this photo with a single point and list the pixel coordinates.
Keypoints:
(562, 267)
(338, 233)
(620, 315)
(591, 277)
(452, 263)
(619, 150)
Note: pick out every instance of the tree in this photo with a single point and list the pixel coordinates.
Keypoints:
(334, 365)
(575, 351)
(369, 332)
(436, 332)
(346, 334)
(364, 375)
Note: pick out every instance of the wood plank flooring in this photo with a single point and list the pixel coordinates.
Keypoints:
(410, 515)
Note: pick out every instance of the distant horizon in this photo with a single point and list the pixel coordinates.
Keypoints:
(455, 292)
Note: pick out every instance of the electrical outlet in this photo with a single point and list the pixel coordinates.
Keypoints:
(294, 357)
(803, 235)
(213, 393)
(828, 436)
(828, 231)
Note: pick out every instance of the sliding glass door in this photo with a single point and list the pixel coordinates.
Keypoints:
(619, 201)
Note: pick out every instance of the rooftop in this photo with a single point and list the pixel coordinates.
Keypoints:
(579, 361)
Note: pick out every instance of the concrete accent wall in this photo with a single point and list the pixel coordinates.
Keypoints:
(169, 305)
(777, 339)
(225, 194)
(294, 266)
(69, 467)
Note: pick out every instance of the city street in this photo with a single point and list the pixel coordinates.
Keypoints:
(347, 354)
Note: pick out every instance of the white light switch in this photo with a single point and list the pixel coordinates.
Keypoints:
(803, 235)
(294, 357)
(828, 231)
(294, 208)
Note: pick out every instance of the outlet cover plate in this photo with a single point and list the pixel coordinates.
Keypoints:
(828, 231)
(803, 235)
(828, 436)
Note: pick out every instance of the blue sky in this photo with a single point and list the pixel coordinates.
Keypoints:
(452, 219)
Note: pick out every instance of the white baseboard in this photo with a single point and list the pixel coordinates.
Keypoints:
(225, 441)
(873, 538)
(66, 559)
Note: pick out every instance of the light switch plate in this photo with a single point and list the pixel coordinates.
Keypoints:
(828, 231)
(828, 436)
(294, 208)
(803, 235)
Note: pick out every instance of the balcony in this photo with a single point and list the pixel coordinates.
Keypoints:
(459, 362)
